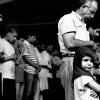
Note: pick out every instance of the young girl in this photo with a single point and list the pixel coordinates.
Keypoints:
(19, 69)
(85, 86)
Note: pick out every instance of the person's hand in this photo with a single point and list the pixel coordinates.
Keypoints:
(17, 61)
(38, 70)
(94, 45)
(94, 32)
(97, 71)
(93, 93)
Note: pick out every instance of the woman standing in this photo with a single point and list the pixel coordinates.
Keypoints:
(19, 69)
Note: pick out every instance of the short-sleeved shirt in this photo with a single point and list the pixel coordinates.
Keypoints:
(83, 92)
(46, 58)
(8, 67)
(71, 23)
(30, 51)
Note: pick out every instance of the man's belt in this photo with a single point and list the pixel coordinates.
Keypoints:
(68, 55)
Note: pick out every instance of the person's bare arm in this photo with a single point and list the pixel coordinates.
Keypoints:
(94, 85)
(71, 42)
(94, 32)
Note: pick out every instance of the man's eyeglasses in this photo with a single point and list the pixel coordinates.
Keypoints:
(91, 11)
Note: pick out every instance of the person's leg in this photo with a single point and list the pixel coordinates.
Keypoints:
(19, 76)
(21, 90)
(69, 94)
(66, 77)
(9, 89)
(41, 97)
(0, 85)
(36, 90)
(28, 85)
(17, 90)
(46, 95)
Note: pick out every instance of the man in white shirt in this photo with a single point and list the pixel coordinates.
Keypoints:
(8, 64)
(72, 33)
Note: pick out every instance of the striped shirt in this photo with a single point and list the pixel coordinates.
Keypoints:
(30, 51)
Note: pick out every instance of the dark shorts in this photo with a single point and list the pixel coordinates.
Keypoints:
(9, 89)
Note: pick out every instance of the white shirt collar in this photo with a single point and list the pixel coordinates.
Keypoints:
(78, 16)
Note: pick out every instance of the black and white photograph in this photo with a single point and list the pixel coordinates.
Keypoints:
(49, 50)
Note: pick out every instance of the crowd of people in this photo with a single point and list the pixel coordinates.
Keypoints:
(28, 68)
(34, 70)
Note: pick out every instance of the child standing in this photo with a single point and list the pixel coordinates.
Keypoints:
(85, 86)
